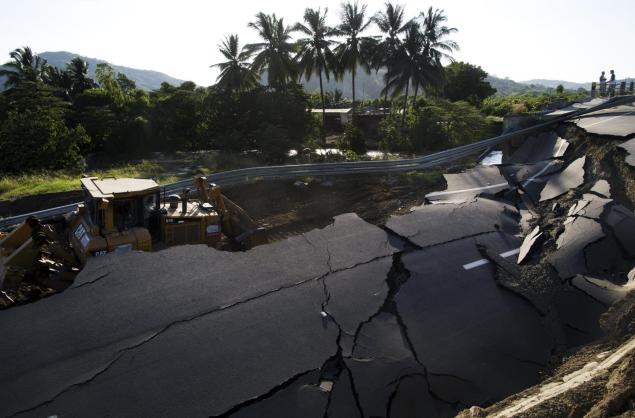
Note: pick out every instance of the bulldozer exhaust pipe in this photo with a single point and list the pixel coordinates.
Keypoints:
(184, 197)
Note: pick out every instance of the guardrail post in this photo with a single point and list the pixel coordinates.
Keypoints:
(622, 88)
(594, 89)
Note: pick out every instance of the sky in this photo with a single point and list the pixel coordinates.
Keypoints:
(569, 40)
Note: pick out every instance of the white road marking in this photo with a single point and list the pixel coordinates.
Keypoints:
(538, 174)
(493, 186)
(482, 262)
(562, 142)
(606, 120)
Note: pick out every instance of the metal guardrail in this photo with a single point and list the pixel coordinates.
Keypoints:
(233, 177)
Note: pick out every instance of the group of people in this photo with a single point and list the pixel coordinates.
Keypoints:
(611, 84)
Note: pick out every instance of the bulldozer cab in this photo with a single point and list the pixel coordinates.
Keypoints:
(117, 215)
(116, 205)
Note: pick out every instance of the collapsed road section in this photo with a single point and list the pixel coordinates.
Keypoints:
(468, 299)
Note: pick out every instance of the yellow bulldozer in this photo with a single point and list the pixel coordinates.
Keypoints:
(120, 215)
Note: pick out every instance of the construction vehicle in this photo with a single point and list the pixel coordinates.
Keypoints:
(121, 215)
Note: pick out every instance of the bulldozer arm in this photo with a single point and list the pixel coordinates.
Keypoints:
(244, 230)
(33, 250)
(236, 223)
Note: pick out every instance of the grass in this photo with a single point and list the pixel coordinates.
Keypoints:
(55, 182)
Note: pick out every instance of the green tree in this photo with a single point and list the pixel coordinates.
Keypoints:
(437, 46)
(560, 89)
(33, 133)
(24, 66)
(235, 73)
(391, 23)
(314, 53)
(356, 50)
(412, 66)
(274, 53)
(77, 72)
(464, 81)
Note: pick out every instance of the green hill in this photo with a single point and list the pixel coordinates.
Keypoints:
(145, 79)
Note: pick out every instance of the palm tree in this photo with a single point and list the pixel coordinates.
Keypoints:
(314, 53)
(274, 54)
(434, 32)
(391, 24)
(25, 66)
(355, 50)
(77, 72)
(235, 73)
(411, 66)
(436, 47)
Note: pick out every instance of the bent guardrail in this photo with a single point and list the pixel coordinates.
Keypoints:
(227, 178)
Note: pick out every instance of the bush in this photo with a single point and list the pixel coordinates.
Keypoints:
(38, 139)
(353, 139)
(435, 125)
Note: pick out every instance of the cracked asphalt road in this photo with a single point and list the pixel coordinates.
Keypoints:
(424, 316)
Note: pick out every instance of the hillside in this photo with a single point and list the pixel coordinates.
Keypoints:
(145, 79)
(369, 86)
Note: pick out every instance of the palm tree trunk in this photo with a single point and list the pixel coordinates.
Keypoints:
(323, 111)
(414, 100)
(386, 100)
(353, 77)
(405, 105)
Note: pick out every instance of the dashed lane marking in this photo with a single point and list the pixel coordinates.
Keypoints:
(493, 186)
(482, 262)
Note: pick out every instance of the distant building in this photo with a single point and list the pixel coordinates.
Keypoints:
(335, 119)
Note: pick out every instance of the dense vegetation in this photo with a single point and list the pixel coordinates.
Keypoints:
(51, 118)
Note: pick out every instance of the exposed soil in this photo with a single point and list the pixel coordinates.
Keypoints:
(288, 208)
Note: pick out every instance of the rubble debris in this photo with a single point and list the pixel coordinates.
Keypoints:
(622, 223)
(534, 149)
(430, 225)
(570, 178)
(600, 290)
(604, 257)
(629, 147)
(568, 259)
(580, 314)
(590, 206)
(465, 186)
(528, 244)
(603, 188)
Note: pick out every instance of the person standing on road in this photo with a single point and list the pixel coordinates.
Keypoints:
(602, 84)
(612, 84)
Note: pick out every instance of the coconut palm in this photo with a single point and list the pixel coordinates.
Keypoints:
(314, 52)
(391, 23)
(411, 65)
(355, 50)
(235, 73)
(25, 66)
(435, 32)
(274, 54)
(77, 72)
